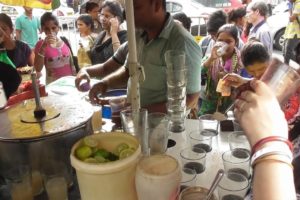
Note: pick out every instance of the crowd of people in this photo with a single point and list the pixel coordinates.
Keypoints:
(237, 49)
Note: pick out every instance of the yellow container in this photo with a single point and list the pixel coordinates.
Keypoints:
(112, 180)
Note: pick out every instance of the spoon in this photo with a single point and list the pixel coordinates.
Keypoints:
(214, 184)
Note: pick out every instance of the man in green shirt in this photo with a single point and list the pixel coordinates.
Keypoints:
(27, 27)
(159, 34)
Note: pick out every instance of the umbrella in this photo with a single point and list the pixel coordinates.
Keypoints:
(43, 4)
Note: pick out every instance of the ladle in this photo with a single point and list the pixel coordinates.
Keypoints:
(214, 184)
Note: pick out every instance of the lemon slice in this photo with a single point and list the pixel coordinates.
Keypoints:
(126, 153)
(88, 141)
(83, 152)
(100, 159)
(121, 147)
(91, 160)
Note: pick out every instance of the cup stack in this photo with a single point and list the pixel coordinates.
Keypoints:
(176, 82)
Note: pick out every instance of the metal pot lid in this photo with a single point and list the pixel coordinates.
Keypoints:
(70, 112)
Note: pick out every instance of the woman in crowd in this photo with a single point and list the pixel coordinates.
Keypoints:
(238, 17)
(217, 65)
(109, 40)
(52, 51)
(85, 27)
(255, 59)
(17, 51)
(92, 9)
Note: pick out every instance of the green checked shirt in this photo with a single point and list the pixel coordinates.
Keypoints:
(151, 57)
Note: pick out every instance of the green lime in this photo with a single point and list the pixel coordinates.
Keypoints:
(126, 153)
(90, 160)
(89, 141)
(102, 152)
(83, 152)
(121, 147)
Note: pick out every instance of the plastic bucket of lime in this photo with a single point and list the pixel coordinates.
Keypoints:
(105, 166)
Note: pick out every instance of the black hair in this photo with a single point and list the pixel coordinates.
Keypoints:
(236, 14)
(215, 21)
(254, 51)
(90, 6)
(262, 8)
(115, 8)
(48, 16)
(6, 20)
(231, 29)
(185, 20)
(87, 19)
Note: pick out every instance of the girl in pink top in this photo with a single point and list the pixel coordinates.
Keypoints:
(52, 51)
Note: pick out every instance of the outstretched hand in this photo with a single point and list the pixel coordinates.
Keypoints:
(98, 88)
(81, 75)
(234, 80)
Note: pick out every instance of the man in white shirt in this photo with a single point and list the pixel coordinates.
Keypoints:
(256, 15)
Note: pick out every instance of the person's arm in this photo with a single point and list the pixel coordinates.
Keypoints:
(114, 27)
(212, 57)
(18, 34)
(103, 69)
(39, 56)
(98, 70)
(235, 80)
(116, 79)
(260, 115)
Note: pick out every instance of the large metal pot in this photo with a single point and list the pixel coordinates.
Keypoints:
(41, 143)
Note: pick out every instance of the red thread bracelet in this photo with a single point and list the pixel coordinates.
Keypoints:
(261, 142)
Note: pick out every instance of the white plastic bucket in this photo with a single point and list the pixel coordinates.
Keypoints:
(112, 180)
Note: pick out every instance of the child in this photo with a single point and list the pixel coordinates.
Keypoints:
(85, 27)
(216, 66)
(52, 51)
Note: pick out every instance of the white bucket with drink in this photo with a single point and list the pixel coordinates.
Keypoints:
(108, 180)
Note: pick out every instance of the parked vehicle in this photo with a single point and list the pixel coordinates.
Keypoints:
(226, 5)
(196, 11)
(278, 22)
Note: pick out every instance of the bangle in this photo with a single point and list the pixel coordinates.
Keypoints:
(271, 150)
(276, 159)
(41, 55)
(261, 142)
